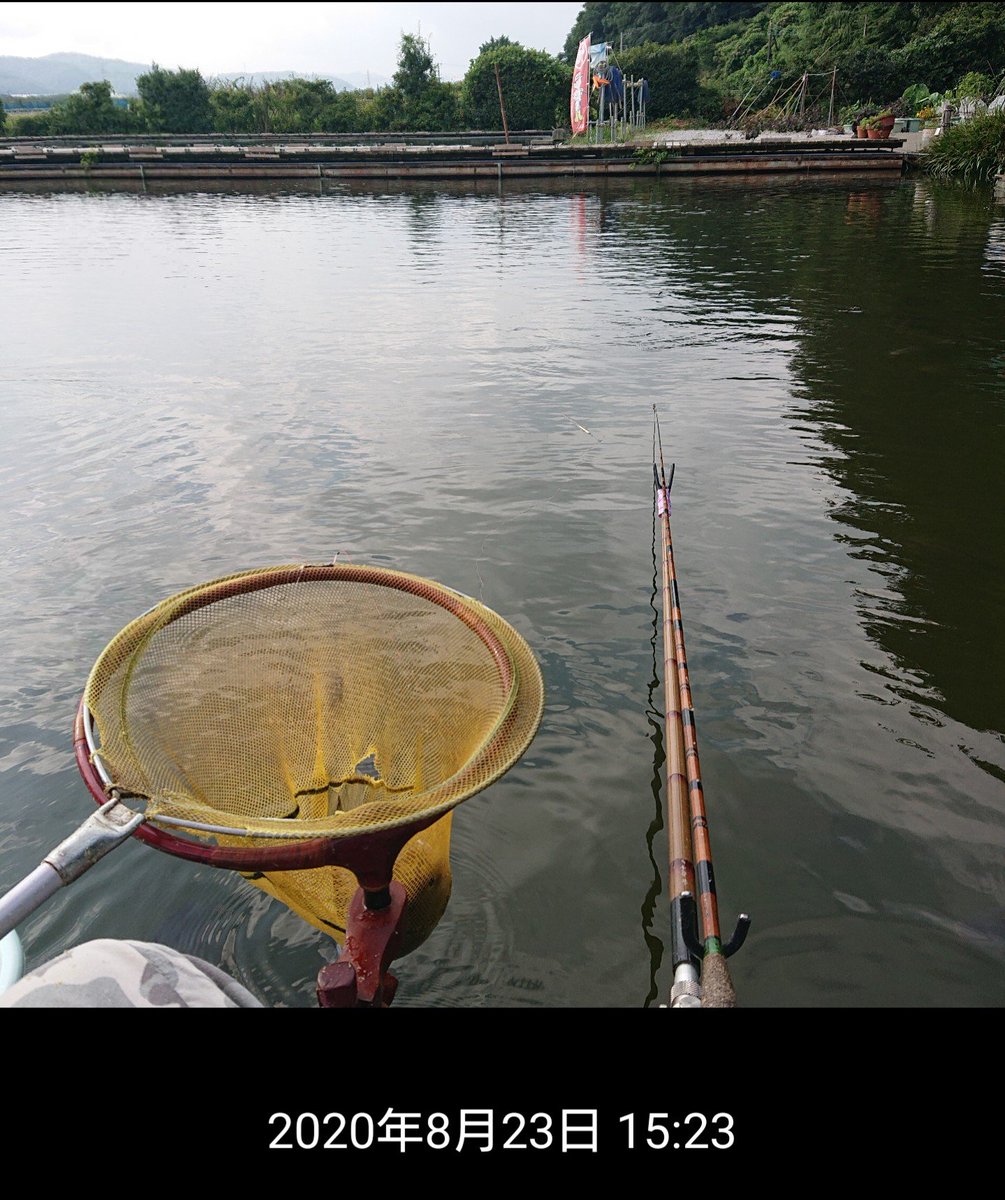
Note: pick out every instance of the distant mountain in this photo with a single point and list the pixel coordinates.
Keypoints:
(57, 73)
(54, 74)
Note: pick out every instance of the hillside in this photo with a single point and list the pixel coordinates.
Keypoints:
(62, 73)
(877, 49)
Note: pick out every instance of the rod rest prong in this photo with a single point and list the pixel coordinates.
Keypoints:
(739, 935)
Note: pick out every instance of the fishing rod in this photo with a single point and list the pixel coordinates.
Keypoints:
(690, 847)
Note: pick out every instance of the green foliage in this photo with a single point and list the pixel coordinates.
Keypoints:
(285, 106)
(873, 72)
(30, 125)
(962, 38)
(879, 49)
(3, 118)
(672, 72)
(977, 85)
(372, 111)
(654, 154)
(417, 99)
(535, 89)
(306, 106)
(90, 110)
(495, 43)
(174, 101)
(973, 151)
(235, 108)
(918, 95)
(638, 24)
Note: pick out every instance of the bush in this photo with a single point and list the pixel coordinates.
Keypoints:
(973, 151)
(535, 89)
(237, 108)
(174, 101)
(975, 85)
(30, 125)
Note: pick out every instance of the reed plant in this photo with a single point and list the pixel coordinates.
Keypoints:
(973, 151)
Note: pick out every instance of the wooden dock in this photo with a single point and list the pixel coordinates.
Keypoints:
(151, 159)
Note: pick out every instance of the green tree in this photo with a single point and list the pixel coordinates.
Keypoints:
(535, 88)
(672, 72)
(89, 110)
(495, 43)
(417, 98)
(416, 71)
(175, 101)
(3, 118)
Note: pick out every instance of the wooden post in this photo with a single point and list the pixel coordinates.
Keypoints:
(502, 106)
(830, 111)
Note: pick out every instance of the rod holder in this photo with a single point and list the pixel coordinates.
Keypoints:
(684, 940)
(739, 935)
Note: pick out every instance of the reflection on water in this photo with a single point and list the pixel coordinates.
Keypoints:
(457, 380)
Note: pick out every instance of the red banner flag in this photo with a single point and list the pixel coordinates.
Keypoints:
(579, 101)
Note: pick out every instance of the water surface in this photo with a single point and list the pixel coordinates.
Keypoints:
(458, 381)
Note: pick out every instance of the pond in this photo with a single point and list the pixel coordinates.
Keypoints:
(458, 381)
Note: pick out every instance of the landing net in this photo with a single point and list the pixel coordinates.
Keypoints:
(300, 702)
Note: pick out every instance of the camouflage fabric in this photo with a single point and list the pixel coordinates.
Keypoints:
(120, 974)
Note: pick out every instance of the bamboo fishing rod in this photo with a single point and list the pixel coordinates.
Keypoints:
(690, 846)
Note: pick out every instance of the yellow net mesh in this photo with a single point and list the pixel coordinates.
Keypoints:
(317, 701)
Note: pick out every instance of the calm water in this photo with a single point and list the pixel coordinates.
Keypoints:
(197, 383)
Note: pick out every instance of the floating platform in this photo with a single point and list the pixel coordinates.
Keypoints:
(367, 157)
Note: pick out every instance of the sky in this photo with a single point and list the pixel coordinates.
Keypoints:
(309, 38)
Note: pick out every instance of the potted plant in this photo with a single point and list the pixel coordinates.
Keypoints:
(881, 125)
